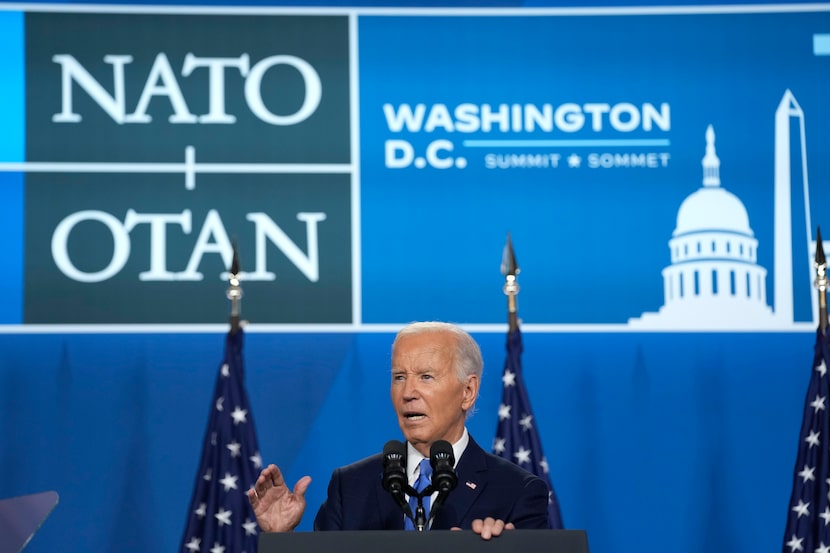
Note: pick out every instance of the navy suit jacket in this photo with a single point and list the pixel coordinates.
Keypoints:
(488, 486)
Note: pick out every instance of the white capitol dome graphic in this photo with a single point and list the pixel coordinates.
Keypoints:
(714, 280)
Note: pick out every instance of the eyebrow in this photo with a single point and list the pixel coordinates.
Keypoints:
(415, 371)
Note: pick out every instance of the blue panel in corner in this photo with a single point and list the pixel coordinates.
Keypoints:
(12, 147)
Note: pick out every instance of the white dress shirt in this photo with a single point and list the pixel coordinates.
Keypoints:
(414, 458)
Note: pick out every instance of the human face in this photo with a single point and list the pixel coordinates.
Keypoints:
(430, 401)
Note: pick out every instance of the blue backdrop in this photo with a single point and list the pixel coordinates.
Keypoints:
(653, 439)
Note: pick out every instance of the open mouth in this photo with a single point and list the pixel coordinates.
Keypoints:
(414, 416)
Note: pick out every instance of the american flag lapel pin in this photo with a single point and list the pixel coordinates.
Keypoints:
(471, 485)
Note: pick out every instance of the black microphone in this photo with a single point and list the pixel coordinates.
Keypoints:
(394, 474)
(444, 479)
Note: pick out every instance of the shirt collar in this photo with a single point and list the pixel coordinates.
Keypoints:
(414, 457)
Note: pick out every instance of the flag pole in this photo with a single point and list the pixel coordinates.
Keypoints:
(510, 270)
(234, 291)
(821, 282)
(220, 517)
(809, 508)
(517, 438)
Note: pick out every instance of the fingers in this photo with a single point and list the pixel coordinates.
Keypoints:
(270, 487)
(301, 486)
(272, 475)
(269, 479)
(498, 527)
(490, 527)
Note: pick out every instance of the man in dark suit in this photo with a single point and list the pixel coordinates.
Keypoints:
(436, 374)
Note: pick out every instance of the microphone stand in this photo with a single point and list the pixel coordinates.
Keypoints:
(419, 521)
(436, 505)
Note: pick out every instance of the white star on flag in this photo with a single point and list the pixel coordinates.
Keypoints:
(825, 515)
(224, 517)
(509, 378)
(235, 448)
(498, 445)
(802, 509)
(795, 544)
(504, 412)
(256, 459)
(526, 423)
(818, 403)
(812, 439)
(229, 482)
(807, 473)
(217, 548)
(193, 544)
(522, 455)
(250, 527)
(239, 415)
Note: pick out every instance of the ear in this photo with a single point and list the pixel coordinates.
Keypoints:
(470, 392)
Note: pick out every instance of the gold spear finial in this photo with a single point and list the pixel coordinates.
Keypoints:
(510, 269)
(821, 282)
(234, 292)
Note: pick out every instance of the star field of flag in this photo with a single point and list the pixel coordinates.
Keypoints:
(808, 518)
(221, 519)
(517, 438)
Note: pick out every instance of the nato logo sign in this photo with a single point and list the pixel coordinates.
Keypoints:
(151, 149)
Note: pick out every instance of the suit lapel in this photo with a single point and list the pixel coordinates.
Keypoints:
(472, 479)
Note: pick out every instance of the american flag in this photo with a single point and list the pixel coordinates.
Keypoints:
(808, 519)
(221, 519)
(516, 436)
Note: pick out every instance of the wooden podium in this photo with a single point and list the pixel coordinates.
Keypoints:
(440, 541)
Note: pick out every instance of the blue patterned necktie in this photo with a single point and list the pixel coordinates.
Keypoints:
(424, 479)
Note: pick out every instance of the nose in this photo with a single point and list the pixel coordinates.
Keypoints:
(410, 389)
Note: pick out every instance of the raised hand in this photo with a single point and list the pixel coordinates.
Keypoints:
(277, 508)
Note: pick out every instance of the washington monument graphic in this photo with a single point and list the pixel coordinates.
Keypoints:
(713, 281)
